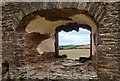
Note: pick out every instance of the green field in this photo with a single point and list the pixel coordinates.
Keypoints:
(70, 47)
(66, 47)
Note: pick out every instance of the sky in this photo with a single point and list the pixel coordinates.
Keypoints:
(73, 37)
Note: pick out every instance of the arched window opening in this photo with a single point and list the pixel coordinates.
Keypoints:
(74, 44)
(74, 40)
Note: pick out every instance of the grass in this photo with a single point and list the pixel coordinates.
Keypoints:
(66, 47)
(70, 47)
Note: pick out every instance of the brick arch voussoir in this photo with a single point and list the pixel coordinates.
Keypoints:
(28, 8)
(24, 10)
(97, 11)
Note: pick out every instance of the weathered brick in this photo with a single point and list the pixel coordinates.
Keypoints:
(107, 39)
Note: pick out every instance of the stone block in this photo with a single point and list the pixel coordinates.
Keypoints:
(15, 21)
(66, 5)
(104, 75)
(9, 29)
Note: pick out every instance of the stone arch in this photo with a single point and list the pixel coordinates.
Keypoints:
(28, 8)
(75, 15)
(29, 17)
(106, 38)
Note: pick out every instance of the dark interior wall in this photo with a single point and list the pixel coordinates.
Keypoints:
(106, 15)
(27, 44)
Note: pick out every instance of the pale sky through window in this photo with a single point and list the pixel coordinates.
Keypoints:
(73, 37)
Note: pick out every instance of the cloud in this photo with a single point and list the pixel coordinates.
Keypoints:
(77, 38)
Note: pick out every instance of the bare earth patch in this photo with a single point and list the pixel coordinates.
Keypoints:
(75, 53)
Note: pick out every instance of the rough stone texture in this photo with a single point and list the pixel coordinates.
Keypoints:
(107, 37)
(59, 65)
(51, 21)
(27, 45)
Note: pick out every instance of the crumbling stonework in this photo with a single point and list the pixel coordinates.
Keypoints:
(17, 16)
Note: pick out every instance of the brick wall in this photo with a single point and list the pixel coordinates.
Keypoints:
(107, 51)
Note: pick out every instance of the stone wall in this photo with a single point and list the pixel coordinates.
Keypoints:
(108, 43)
(106, 38)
